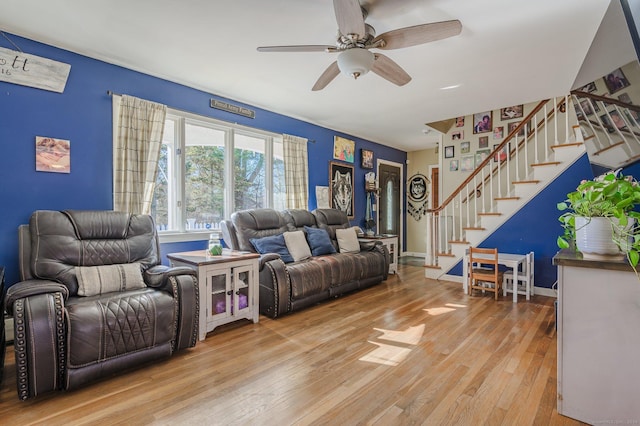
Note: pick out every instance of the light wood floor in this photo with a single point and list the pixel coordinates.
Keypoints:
(408, 351)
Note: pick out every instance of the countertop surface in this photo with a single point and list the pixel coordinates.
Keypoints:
(568, 257)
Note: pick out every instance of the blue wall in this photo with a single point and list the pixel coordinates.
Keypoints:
(82, 114)
(536, 227)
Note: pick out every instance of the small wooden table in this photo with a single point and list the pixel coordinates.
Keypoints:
(228, 286)
(391, 242)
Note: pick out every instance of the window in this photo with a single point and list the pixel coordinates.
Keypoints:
(209, 169)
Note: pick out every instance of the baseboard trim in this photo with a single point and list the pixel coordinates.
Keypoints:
(542, 291)
(413, 254)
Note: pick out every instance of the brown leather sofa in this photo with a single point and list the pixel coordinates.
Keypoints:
(288, 287)
(94, 299)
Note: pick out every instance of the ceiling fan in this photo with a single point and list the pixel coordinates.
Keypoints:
(355, 38)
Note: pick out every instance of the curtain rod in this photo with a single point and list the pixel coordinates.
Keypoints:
(112, 93)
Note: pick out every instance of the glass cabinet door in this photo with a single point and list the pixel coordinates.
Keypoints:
(219, 294)
(241, 280)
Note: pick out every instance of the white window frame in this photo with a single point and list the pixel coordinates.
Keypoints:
(177, 160)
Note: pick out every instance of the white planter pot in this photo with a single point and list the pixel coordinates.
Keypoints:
(594, 238)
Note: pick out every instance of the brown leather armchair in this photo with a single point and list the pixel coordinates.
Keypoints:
(94, 299)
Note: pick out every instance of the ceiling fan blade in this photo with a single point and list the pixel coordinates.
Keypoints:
(300, 48)
(349, 17)
(419, 34)
(389, 70)
(327, 76)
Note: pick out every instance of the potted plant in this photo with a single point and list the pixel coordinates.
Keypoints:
(606, 202)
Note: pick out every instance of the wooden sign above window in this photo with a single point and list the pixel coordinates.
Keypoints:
(33, 71)
(233, 108)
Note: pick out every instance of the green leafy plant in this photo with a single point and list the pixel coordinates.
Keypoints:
(610, 195)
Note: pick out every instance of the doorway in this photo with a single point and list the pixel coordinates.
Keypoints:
(390, 218)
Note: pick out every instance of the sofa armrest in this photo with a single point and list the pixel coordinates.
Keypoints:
(369, 245)
(182, 283)
(267, 257)
(33, 288)
(157, 276)
(275, 287)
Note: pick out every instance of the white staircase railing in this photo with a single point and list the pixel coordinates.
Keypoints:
(506, 175)
(611, 128)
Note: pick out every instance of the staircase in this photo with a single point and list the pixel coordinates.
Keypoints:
(545, 144)
(611, 129)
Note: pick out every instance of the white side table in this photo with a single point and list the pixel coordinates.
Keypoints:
(228, 286)
(391, 242)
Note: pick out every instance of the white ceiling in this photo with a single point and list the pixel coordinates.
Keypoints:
(509, 52)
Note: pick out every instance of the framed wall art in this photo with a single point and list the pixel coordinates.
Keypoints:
(367, 159)
(615, 81)
(449, 151)
(465, 147)
(53, 155)
(453, 166)
(341, 187)
(481, 155)
(460, 121)
(483, 142)
(466, 163)
(498, 132)
(343, 149)
(457, 135)
(508, 113)
(483, 122)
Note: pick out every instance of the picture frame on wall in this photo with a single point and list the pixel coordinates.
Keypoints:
(53, 155)
(508, 113)
(466, 163)
(457, 135)
(367, 158)
(502, 155)
(343, 149)
(512, 126)
(453, 165)
(588, 88)
(482, 122)
(483, 142)
(341, 192)
(465, 147)
(616, 81)
(481, 155)
(498, 132)
(449, 151)
(460, 121)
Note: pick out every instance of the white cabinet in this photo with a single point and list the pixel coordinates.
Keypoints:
(228, 286)
(598, 341)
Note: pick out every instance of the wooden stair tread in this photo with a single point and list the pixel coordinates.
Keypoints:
(431, 266)
(589, 137)
(490, 214)
(608, 148)
(566, 145)
(506, 198)
(472, 228)
(519, 182)
(550, 163)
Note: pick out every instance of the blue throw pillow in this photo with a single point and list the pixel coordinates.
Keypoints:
(319, 241)
(272, 244)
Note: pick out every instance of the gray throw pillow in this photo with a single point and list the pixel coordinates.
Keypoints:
(347, 240)
(297, 245)
(93, 280)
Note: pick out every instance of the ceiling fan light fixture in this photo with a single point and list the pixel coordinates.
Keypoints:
(355, 62)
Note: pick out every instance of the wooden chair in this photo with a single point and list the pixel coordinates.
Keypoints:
(524, 278)
(483, 270)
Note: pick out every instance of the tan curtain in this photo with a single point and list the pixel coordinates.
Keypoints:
(296, 172)
(139, 129)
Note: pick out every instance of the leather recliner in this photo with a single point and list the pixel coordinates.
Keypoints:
(94, 299)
